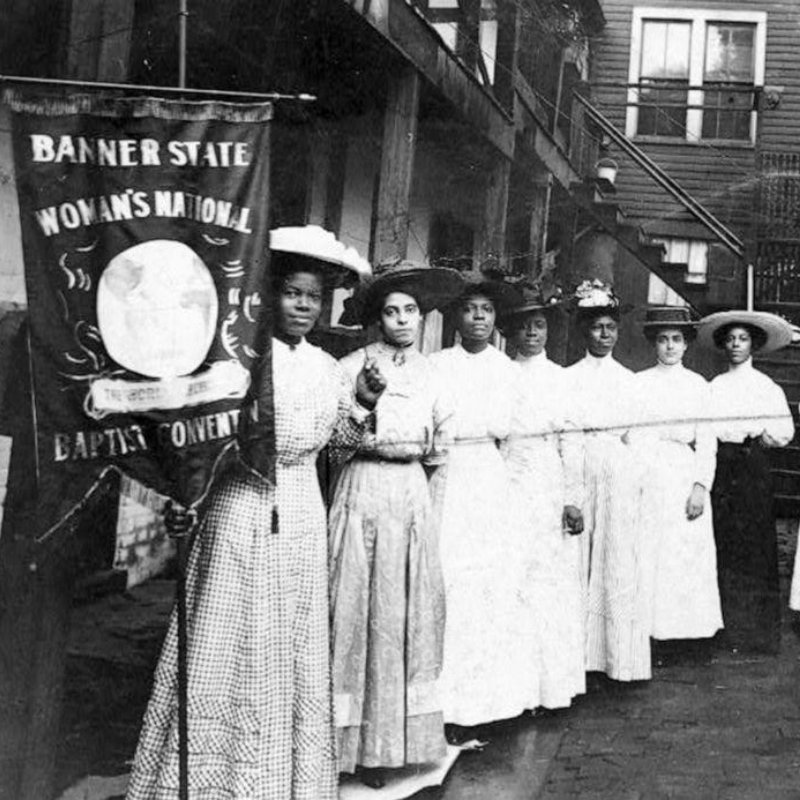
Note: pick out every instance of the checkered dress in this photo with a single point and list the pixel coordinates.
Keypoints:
(260, 722)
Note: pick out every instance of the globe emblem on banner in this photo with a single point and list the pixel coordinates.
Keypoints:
(157, 309)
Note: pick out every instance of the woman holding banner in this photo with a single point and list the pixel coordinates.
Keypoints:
(259, 703)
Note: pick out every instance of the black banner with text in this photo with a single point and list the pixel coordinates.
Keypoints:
(145, 238)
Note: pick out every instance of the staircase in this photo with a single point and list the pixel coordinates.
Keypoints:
(607, 214)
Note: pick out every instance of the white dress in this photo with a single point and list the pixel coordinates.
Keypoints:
(542, 441)
(614, 544)
(679, 448)
(486, 673)
(387, 597)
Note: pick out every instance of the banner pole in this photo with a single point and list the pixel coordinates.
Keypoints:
(156, 90)
(183, 673)
(180, 588)
(183, 13)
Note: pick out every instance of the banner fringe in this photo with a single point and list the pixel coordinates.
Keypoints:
(118, 107)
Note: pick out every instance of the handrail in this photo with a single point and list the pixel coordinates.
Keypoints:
(663, 179)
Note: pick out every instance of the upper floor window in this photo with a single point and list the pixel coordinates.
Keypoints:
(693, 73)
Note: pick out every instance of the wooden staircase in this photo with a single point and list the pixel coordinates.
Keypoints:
(608, 215)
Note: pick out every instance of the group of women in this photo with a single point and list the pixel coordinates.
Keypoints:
(496, 529)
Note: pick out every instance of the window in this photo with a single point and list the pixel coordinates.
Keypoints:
(450, 20)
(659, 294)
(693, 73)
(693, 255)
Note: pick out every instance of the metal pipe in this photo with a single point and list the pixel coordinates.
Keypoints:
(183, 13)
(137, 87)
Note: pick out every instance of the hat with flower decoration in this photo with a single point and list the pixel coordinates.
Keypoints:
(533, 296)
(594, 298)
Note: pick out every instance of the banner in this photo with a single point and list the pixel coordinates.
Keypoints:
(144, 228)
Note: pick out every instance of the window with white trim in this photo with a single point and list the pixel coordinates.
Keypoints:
(659, 294)
(693, 255)
(693, 73)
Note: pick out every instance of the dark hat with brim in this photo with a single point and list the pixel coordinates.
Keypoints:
(659, 318)
(431, 287)
(776, 330)
(532, 299)
(504, 296)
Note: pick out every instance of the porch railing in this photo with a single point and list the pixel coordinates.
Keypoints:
(777, 267)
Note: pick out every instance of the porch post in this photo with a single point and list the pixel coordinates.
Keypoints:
(491, 239)
(397, 166)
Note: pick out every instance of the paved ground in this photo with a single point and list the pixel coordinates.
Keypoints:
(729, 728)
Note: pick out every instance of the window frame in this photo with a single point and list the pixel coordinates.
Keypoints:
(699, 19)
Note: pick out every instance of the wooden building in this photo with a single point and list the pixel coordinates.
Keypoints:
(443, 130)
(709, 91)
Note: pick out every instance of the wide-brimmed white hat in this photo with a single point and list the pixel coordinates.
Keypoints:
(312, 241)
(778, 331)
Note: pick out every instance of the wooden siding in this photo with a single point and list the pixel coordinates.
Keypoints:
(722, 177)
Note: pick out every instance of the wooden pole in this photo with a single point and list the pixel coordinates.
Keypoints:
(181, 539)
(397, 166)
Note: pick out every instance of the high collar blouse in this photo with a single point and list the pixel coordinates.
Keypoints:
(540, 403)
(408, 414)
(543, 416)
(479, 389)
(313, 403)
(602, 395)
(748, 403)
(674, 406)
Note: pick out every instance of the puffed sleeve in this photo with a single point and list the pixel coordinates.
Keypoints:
(778, 423)
(705, 441)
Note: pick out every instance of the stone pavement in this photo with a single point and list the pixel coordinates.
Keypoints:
(729, 729)
(725, 729)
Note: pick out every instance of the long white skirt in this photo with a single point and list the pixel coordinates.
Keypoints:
(686, 602)
(553, 570)
(616, 555)
(488, 655)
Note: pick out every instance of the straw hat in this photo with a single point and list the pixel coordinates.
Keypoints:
(431, 287)
(778, 331)
(672, 317)
(314, 242)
